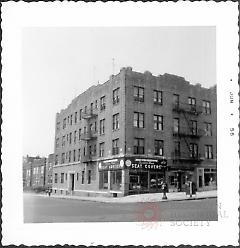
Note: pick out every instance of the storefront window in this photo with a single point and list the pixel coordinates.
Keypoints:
(116, 180)
(156, 181)
(210, 177)
(103, 180)
(138, 181)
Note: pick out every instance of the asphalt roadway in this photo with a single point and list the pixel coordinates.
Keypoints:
(39, 209)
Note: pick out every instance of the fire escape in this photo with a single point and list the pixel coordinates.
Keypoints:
(190, 134)
(89, 135)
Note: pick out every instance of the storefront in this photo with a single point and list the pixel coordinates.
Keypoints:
(111, 174)
(178, 177)
(145, 175)
(206, 178)
(131, 175)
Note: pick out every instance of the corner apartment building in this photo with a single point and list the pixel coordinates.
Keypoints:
(117, 137)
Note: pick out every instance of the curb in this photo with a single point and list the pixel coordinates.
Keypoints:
(122, 202)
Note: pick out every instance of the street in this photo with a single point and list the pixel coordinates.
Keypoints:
(40, 209)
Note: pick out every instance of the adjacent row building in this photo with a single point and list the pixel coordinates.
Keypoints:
(133, 132)
(37, 172)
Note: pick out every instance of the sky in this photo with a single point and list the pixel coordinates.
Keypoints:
(60, 63)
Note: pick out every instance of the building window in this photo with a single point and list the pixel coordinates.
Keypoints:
(75, 118)
(80, 114)
(102, 126)
(116, 96)
(95, 126)
(91, 107)
(158, 147)
(79, 154)
(85, 130)
(75, 136)
(95, 150)
(62, 178)
(79, 133)
(71, 119)
(177, 149)
(176, 100)
(63, 140)
(138, 120)
(193, 150)
(55, 178)
(102, 103)
(56, 159)
(63, 158)
(194, 127)
(138, 147)
(89, 176)
(192, 103)
(115, 121)
(101, 149)
(138, 93)
(83, 175)
(68, 119)
(158, 122)
(58, 126)
(90, 150)
(91, 127)
(69, 156)
(95, 104)
(208, 152)
(176, 125)
(64, 123)
(115, 148)
(66, 157)
(206, 107)
(74, 155)
(70, 138)
(208, 129)
(85, 109)
(157, 97)
(57, 142)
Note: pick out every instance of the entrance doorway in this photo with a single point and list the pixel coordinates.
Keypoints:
(72, 183)
(200, 181)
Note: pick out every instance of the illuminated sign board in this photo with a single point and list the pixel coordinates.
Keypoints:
(145, 163)
(132, 163)
(111, 164)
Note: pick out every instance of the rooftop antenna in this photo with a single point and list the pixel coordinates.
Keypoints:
(94, 73)
(113, 65)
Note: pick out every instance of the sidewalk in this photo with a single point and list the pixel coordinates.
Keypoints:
(155, 197)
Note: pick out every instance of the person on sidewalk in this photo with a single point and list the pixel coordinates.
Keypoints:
(49, 192)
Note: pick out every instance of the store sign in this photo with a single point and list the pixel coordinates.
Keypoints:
(146, 163)
(111, 164)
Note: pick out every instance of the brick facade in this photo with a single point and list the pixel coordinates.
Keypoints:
(125, 157)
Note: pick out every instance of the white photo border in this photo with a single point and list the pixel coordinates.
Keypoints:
(223, 15)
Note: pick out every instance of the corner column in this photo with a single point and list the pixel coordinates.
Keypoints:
(125, 182)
